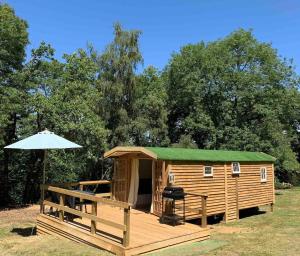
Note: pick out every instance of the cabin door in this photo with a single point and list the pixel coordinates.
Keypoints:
(121, 179)
(157, 187)
(144, 192)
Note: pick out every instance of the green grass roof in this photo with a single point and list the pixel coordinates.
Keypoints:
(209, 155)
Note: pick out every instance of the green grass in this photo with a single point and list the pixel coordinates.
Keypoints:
(276, 233)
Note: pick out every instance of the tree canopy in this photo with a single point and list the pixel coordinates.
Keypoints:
(234, 93)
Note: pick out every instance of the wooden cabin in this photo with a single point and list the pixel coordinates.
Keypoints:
(232, 180)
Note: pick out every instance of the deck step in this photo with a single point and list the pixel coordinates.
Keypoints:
(51, 226)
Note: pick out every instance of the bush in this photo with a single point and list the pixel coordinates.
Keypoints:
(282, 185)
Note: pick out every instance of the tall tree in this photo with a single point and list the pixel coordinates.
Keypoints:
(117, 66)
(13, 40)
(235, 93)
(63, 98)
(149, 123)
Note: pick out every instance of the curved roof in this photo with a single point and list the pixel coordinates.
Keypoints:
(185, 154)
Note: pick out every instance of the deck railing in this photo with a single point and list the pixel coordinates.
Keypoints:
(62, 208)
(202, 210)
(83, 184)
(199, 210)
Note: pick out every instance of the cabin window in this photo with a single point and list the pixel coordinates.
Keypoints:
(236, 168)
(263, 174)
(208, 171)
(171, 178)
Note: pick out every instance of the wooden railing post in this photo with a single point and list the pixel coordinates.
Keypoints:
(61, 203)
(272, 207)
(204, 215)
(126, 233)
(80, 200)
(93, 223)
(110, 190)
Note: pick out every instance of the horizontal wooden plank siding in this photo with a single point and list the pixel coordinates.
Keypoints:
(190, 176)
(252, 191)
(228, 193)
(246, 190)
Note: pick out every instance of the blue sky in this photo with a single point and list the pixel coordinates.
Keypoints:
(166, 24)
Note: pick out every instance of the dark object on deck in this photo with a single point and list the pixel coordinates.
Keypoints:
(176, 193)
(169, 215)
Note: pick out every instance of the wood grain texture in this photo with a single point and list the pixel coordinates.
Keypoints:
(227, 193)
(146, 232)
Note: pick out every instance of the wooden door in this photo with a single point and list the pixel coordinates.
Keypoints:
(121, 179)
(158, 187)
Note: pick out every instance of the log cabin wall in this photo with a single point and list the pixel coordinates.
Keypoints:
(189, 175)
(246, 190)
(227, 193)
(160, 181)
(121, 179)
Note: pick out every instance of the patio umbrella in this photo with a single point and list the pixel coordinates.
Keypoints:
(43, 140)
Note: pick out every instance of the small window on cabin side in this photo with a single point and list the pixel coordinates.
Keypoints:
(263, 174)
(171, 177)
(208, 171)
(236, 168)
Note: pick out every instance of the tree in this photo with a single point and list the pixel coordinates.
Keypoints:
(117, 82)
(235, 93)
(13, 40)
(63, 98)
(149, 125)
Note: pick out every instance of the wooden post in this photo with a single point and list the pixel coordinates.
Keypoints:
(62, 203)
(272, 207)
(204, 216)
(226, 193)
(42, 206)
(113, 183)
(110, 190)
(80, 200)
(237, 197)
(126, 233)
(273, 183)
(93, 223)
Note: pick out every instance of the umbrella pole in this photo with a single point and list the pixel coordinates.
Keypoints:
(44, 167)
(42, 209)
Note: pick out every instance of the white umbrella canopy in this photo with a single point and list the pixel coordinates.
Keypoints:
(43, 140)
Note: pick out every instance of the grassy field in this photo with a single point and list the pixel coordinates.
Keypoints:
(265, 233)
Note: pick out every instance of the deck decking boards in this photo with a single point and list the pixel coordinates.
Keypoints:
(146, 232)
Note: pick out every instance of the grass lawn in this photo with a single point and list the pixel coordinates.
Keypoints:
(276, 233)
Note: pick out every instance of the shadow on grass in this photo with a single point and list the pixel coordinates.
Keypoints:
(211, 220)
(245, 213)
(250, 212)
(29, 231)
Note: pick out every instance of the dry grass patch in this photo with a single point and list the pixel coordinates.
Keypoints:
(17, 237)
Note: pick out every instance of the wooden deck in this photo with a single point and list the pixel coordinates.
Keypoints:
(146, 232)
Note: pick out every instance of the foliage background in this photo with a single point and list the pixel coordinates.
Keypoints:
(235, 93)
